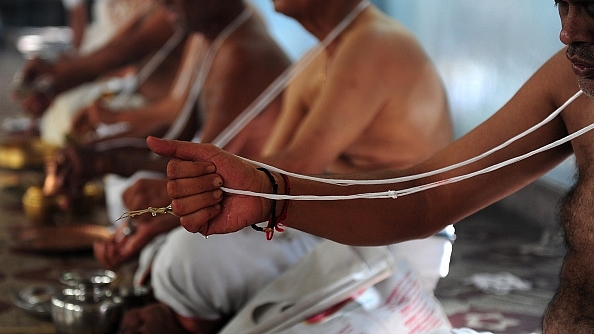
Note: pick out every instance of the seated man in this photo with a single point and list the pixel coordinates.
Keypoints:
(57, 90)
(562, 87)
(245, 61)
(399, 123)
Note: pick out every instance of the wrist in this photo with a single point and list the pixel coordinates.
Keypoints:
(275, 217)
(282, 208)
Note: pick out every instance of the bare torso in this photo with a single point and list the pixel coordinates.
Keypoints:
(158, 83)
(572, 308)
(371, 100)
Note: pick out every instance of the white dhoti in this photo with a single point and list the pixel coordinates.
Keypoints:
(213, 278)
(56, 122)
(57, 119)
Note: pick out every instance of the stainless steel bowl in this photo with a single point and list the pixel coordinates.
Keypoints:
(87, 306)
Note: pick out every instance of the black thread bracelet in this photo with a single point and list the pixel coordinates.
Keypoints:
(269, 230)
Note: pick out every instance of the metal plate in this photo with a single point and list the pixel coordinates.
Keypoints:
(35, 300)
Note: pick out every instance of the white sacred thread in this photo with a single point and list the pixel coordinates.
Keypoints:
(187, 108)
(154, 62)
(182, 119)
(408, 191)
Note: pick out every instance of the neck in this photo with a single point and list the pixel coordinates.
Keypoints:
(217, 23)
(327, 14)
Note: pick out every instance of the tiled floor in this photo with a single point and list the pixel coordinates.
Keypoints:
(495, 244)
(493, 241)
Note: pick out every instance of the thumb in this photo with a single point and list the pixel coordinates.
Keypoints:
(182, 149)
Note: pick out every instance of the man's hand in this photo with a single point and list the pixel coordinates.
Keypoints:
(130, 238)
(146, 192)
(195, 187)
(33, 87)
(69, 170)
(90, 117)
(35, 104)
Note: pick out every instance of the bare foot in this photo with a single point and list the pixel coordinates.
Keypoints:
(159, 318)
(154, 318)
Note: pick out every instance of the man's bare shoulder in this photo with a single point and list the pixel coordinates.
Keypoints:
(238, 59)
(382, 46)
(377, 29)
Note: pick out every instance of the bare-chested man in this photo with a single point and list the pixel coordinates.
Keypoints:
(244, 64)
(371, 100)
(388, 221)
(245, 60)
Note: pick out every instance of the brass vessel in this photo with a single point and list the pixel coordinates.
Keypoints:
(24, 153)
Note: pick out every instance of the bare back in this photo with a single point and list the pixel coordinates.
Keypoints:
(372, 100)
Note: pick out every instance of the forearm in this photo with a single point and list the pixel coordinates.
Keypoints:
(360, 221)
(156, 114)
(78, 23)
(136, 41)
(409, 216)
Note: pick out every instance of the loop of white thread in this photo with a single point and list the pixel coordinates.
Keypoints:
(396, 193)
(346, 182)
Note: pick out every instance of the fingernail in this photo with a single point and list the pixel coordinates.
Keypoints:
(218, 182)
(211, 169)
(218, 194)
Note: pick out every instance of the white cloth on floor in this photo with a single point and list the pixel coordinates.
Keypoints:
(56, 122)
(457, 331)
(342, 289)
(429, 258)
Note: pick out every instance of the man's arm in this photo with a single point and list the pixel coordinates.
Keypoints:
(78, 20)
(203, 208)
(155, 117)
(136, 40)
